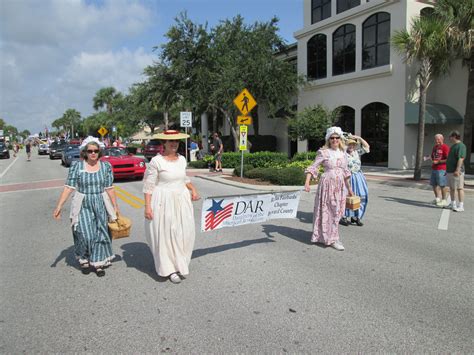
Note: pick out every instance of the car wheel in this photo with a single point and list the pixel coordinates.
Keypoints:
(50, 157)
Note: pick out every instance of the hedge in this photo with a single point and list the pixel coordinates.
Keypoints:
(292, 176)
(247, 168)
(198, 164)
(258, 160)
(304, 156)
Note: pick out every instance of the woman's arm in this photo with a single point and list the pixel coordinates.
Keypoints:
(363, 142)
(347, 182)
(113, 198)
(62, 199)
(148, 209)
(307, 187)
(194, 194)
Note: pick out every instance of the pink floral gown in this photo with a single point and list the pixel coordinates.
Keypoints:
(330, 200)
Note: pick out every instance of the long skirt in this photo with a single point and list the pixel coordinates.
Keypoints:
(360, 188)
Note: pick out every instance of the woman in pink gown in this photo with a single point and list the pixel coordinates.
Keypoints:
(330, 200)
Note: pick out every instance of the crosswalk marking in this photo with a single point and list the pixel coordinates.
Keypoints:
(444, 220)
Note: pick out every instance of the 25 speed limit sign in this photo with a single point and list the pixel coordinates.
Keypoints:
(186, 119)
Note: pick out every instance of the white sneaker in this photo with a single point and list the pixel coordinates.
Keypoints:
(435, 201)
(338, 246)
(458, 209)
(442, 203)
(174, 278)
(450, 206)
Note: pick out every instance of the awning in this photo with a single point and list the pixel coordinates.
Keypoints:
(435, 114)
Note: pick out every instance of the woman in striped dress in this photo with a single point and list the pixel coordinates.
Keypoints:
(93, 202)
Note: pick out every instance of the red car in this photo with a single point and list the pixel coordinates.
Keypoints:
(153, 147)
(124, 165)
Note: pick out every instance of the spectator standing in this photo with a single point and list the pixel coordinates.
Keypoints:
(439, 180)
(455, 171)
(330, 200)
(28, 150)
(218, 150)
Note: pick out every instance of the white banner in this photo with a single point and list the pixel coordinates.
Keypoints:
(234, 211)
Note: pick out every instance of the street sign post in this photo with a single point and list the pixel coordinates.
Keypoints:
(242, 147)
(186, 119)
(245, 102)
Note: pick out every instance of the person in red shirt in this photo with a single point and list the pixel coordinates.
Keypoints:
(438, 180)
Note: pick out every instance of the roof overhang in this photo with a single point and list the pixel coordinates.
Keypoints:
(435, 114)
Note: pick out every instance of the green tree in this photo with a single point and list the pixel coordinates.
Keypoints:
(427, 45)
(460, 19)
(311, 123)
(105, 98)
(2, 123)
(71, 120)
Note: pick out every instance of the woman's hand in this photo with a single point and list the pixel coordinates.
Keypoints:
(195, 196)
(148, 213)
(57, 213)
(350, 192)
(307, 188)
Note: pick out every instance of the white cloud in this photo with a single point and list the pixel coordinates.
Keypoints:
(56, 54)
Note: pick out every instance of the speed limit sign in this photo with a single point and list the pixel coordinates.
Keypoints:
(186, 119)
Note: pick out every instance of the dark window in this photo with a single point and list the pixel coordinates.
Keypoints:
(317, 57)
(343, 51)
(426, 12)
(343, 5)
(375, 123)
(376, 40)
(320, 10)
(346, 119)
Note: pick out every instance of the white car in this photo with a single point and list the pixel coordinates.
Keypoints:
(43, 149)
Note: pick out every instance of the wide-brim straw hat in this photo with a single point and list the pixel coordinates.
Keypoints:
(171, 135)
(351, 141)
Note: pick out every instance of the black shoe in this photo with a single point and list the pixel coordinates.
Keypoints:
(100, 272)
(344, 221)
(85, 268)
(357, 221)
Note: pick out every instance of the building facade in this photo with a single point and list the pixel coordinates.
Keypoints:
(344, 51)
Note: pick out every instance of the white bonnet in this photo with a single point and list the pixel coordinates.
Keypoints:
(334, 130)
(91, 139)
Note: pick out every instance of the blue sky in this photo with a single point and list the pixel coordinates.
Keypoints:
(56, 54)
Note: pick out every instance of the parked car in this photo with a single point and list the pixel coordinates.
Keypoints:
(153, 147)
(56, 149)
(70, 153)
(43, 149)
(124, 164)
(4, 152)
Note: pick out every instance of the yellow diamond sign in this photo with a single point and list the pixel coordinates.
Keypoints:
(245, 102)
(103, 131)
(247, 120)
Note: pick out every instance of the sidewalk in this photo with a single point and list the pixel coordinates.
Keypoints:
(380, 175)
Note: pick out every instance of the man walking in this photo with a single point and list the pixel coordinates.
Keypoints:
(438, 180)
(455, 170)
(218, 150)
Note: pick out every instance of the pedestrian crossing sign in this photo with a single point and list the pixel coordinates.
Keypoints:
(103, 131)
(245, 102)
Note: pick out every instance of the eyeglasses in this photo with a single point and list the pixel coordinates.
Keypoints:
(334, 138)
(92, 151)
(173, 140)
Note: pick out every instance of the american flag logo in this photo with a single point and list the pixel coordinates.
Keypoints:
(217, 214)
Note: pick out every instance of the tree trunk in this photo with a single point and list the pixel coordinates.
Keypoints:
(468, 118)
(421, 131)
(214, 120)
(166, 120)
(233, 131)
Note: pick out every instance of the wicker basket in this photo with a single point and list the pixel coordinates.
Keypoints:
(353, 202)
(120, 228)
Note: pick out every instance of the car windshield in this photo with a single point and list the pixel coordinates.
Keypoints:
(2, 146)
(58, 144)
(72, 146)
(115, 152)
(154, 142)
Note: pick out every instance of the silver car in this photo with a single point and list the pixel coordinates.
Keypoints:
(43, 149)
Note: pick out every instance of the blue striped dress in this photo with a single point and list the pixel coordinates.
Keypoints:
(92, 241)
(358, 182)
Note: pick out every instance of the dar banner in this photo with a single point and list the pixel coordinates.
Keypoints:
(231, 211)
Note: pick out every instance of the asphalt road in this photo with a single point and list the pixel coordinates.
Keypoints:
(401, 285)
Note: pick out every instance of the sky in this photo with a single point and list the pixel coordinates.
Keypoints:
(56, 54)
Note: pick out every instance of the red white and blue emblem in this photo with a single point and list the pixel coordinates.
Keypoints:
(217, 214)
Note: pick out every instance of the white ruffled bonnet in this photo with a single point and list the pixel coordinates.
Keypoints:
(334, 130)
(91, 139)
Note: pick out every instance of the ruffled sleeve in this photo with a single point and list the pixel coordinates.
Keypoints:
(151, 177)
(109, 175)
(313, 169)
(73, 175)
(362, 150)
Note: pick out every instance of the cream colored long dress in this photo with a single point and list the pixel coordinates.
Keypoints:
(170, 235)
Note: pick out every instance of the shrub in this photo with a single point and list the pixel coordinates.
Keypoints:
(302, 164)
(304, 156)
(198, 164)
(258, 160)
(280, 176)
(247, 167)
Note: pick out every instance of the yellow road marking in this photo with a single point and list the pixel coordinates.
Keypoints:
(128, 194)
(126, 200)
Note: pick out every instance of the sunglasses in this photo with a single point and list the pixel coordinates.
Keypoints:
(334, 138)
(92, 151)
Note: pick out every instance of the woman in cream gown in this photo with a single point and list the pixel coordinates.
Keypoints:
(169, 223)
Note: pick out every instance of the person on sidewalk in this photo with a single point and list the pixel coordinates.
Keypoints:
(169, 214)
(455, 171)
(356, 146)
(330, 200)
(28, 150)
(439, 180)
(218, 150)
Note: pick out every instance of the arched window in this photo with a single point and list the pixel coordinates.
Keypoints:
(343, 50)
(343, 5)
(375, 123)
(320, 10)
(376, 40)
(317, 57)
(346, 119)
(426, 12)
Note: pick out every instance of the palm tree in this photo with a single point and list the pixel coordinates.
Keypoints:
(460, 17)
(426, 44)
(105, 97)
(71, 118)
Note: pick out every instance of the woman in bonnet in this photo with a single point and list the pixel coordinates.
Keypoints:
(330, 200)
(94, 202)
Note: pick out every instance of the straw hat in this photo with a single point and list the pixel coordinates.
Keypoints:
(351, 141)
(171, 135)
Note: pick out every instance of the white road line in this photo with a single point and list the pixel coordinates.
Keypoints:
(8, 167)
(444, 220)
